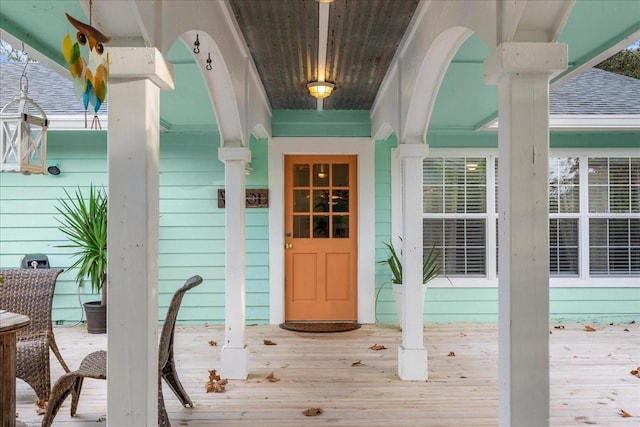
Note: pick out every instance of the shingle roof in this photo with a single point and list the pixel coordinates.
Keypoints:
(593, 92)
(53, 92)
(596, 92)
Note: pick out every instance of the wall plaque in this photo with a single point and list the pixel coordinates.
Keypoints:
(255, 198)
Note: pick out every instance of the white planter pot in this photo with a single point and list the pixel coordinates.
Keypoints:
(398, 291)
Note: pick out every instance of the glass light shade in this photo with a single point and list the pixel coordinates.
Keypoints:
(320, 90)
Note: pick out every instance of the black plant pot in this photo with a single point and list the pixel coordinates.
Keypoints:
(96, 317)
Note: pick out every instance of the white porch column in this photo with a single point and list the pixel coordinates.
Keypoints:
(234, 362)
(137, 74)
(412, 355)
(522, 72)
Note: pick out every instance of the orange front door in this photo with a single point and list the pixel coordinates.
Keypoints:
(320, 238)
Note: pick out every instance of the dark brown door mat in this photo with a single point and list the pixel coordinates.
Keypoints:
(320, 326)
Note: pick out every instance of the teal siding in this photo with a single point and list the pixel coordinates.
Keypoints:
(192, 230)
(350, 123)
(385, 309)
(444, 305)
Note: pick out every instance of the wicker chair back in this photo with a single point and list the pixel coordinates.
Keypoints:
(30, 292)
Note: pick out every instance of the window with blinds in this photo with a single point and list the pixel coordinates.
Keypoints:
(594, 215)
(564, 214)
(455, 213)
(614, 215)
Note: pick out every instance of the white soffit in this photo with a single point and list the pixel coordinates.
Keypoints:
(586, 122)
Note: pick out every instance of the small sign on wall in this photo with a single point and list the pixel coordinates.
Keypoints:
(255, 198)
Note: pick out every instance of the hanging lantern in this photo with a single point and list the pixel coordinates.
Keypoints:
(23, 135)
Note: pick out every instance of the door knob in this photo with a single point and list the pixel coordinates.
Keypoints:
(288, 245)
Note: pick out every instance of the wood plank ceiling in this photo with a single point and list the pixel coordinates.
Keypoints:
(282, 36)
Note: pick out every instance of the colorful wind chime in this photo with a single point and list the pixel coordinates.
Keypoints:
(90, 76)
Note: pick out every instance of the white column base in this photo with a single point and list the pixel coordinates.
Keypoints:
(234, 363)
(412, 364)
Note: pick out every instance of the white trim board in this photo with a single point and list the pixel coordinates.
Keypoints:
(364, 149)
(592, 122)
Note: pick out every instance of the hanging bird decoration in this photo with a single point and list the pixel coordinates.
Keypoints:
(90, 79)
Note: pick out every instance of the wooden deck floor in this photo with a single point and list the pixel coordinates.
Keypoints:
(590, 378)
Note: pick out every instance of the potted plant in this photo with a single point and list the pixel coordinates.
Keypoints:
(84, 222)
(430, 269)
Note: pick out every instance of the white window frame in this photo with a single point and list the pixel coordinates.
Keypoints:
(491, 280)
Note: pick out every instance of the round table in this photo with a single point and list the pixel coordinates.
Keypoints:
(9, 324)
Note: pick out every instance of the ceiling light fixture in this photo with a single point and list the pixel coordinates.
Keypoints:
(320, 90)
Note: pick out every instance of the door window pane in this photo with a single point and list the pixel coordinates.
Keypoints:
(340, 226)
(301, 226)
(301, 200)
(341, 175)
(320, 201)
(301, 175)
(320, 226)
(321, 175)
(340, 200)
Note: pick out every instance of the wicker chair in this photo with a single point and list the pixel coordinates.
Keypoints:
(94, 365)
(30, 292)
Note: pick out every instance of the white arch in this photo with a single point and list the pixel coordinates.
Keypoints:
(424, 95)
(409, 90)
(237, 95)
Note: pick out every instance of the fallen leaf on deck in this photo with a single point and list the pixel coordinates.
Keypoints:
(213, 343)
(272, 378)
(41, 411)
(377, 347)
(636, 372)
(559, 327)
(269, 342)
(632, 322)
(312, 412)
(215, 383)
(624, 414)
(589, 328)
(626, 330)
(42, 404)
(358, 363)
(451, 354)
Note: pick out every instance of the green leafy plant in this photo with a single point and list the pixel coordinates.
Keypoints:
(430, 266)
(84, 222)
